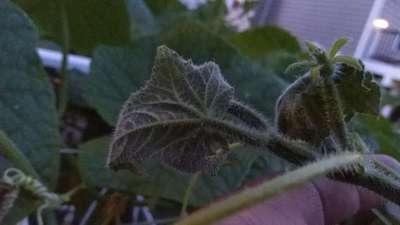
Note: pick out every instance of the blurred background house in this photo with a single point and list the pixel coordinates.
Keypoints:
(372, 25)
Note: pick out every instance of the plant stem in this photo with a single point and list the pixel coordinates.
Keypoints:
(15, 156)
(188, 193)
(63, 93)
(268, 189)
(67, 196)
(296, 152)
(333, 109)
(91, 208)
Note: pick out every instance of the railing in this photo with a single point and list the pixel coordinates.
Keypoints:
(381, 55)
(385, 47)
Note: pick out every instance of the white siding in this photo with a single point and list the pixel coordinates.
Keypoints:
(322, 21)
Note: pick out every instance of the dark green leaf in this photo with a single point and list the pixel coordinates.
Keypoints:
(27, 99)
(163, 181)
(212, 13)
(381, 131)
(91, 22)
(348, 60)
(183, 116)
(358, 91)
(278, 62)
(169, 117)
(27, 102)
(259, 42)
(117, 72)
(162, 7)
(142, 21)
(252, 82)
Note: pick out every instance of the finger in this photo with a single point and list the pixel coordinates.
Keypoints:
(323, 202)
(341, 201)
(301, 206)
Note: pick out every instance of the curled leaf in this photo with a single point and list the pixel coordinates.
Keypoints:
(299, 110)
(299, 66)
(348, 60)
(357, 90)
(339, 43)
(180, 116)
(312, 47)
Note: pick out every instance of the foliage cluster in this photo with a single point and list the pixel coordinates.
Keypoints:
(122, 38)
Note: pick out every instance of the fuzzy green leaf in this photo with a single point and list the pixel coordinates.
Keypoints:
(117, 72)
(299, 66)
(179, 116)
(348, 60)
(163, 181)
(312, 48)
(27, 103)
(337, 46)
(166, 117)
(253, 84)
(357, 90)
(300, 112)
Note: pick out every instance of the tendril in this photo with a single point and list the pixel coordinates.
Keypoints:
(19, 179)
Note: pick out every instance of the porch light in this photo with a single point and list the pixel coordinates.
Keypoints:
(380, 23)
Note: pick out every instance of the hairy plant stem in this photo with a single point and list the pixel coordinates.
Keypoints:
(372, 174)
(375, 176)
(67, 196)
(294, 151)
(268, 189)
(334, 112)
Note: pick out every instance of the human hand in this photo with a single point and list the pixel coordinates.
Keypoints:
(322, 202)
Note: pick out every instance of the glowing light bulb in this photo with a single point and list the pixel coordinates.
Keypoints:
(380, 23)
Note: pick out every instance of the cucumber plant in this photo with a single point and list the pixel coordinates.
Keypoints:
(187, 116)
